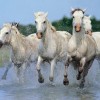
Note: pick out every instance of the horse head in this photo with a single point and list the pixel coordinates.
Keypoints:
(78, 15)
(41, 23)
(87, 25)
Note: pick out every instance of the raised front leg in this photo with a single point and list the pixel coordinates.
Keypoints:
(81, 67)
(40, 77)
(53, 63)
(85, 72)
(66, 81)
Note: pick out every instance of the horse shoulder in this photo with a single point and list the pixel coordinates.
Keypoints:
(96, 36)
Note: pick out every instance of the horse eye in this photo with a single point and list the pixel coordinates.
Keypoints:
(35, 22)
(7, 33)
(44, 22)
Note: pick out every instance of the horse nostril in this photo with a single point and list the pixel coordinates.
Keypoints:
(39, 35)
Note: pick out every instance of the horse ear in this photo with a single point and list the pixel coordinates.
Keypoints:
(46, 14)
(72, 9)
(35, 14)
(89, 16)
(17, 24)
(84, 10)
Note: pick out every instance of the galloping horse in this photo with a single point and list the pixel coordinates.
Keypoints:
(95, 35)
(24, 49)
(81, 47)
(52, 45)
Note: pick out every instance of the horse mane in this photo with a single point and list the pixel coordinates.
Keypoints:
(39, 14)
(77, 9)
(52, 27)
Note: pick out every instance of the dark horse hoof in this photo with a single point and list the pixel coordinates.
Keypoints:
(41, 80)
(51, 79)
(65, 82)
(78, 77)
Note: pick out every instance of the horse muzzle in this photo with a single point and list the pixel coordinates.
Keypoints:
(39, 35)
(1, 44)
(78, 28)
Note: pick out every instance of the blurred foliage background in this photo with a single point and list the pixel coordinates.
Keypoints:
(64, 24)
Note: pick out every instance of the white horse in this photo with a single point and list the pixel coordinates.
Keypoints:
(52, 45)
(24, 49)
(87, 25)
(81, 47)
(95, 35)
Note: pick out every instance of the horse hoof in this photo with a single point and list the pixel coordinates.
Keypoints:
(51, 79)
(66, 82)
(41, 80)
(78, 77)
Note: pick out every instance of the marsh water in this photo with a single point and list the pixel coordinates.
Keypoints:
(10, 89)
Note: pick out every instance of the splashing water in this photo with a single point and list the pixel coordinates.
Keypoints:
(32, 90)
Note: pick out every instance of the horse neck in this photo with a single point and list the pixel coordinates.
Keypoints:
(49, 34)
(78, 36)
(16, 42)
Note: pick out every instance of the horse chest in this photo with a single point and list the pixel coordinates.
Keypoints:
(47, 51)
(77, 50)
(72, 46)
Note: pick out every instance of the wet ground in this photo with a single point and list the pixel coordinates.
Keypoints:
(32, 90)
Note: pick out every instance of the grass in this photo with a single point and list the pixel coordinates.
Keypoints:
(4, 55)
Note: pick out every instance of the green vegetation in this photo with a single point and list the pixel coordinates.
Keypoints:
(65, 24)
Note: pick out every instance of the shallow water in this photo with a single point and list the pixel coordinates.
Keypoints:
(32, 90)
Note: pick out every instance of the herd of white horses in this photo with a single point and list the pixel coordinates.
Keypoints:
(47, 44)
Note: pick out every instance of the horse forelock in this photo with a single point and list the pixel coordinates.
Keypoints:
(77, 9)
(39, 14)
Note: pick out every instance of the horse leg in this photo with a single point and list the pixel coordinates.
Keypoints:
(22, 72)
(85, 72)
(40, 77)
(66, 81)
(53, 62)
(80, 68)
(6, 71)
(17, 71)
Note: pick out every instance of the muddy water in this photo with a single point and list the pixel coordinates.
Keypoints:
(32, 90)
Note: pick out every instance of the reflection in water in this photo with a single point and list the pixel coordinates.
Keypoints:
(32, 90)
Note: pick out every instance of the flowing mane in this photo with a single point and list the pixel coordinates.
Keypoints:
(52, 27)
